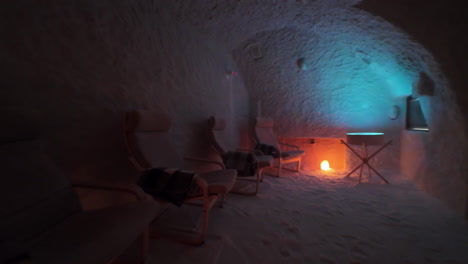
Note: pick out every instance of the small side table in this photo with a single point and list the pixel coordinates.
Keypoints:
(365, 139)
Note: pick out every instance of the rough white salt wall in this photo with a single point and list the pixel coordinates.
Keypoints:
(437, 166)
(233, 22)
(436, 161)
(80, 65)
(358, 67)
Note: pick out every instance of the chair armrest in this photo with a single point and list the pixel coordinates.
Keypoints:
(292, 146)
(132, 189)
(202, 184)
(220, 164)
(255, 151)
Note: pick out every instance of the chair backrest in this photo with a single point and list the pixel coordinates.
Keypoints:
(264, 131)
(215, 132)
(147, 139)
(34, 196)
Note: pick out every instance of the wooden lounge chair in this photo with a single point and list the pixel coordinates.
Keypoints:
(148, 143)
(267, 142)
(42, 220)
(216, 134)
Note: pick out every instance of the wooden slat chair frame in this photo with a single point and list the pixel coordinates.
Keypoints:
(264, 134)
(140, 127)
(216, 131)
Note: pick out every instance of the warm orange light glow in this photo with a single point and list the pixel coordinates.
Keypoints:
(324, 165)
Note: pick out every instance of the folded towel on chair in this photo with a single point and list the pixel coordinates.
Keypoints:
(244, 162)
(268, 149)
(169, 184)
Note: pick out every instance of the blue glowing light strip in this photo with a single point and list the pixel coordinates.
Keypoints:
(365, 134)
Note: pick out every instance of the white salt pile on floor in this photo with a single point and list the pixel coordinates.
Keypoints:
(313, 218)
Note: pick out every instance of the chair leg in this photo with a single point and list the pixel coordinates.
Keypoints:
(204, 228)
(221, 201)
(299, 164)
(259, 173)
(279, 167)
(206, 212)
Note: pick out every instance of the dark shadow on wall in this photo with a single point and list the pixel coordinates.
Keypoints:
(80, 65)
(440, 26)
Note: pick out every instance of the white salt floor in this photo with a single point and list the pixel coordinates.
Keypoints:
(313, 218)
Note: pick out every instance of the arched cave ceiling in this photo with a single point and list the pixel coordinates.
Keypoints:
(233, 22)
(435, 26)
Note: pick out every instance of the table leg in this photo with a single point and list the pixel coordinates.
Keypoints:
(364, 154)
(365, 160)
(355, 169)
(378, 173)
(360, 174)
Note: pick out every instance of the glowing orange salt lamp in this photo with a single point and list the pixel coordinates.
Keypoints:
(324, 165)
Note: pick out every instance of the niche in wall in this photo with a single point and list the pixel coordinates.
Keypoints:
(255, 51)
(415, 119)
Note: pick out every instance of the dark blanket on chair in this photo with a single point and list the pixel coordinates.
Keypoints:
(170, 185)
(244, 162)
(267, 149)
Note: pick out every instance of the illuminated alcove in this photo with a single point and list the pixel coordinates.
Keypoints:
(351, 83)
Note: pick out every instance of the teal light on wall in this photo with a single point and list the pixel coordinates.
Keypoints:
(362, 90)
(398, 81)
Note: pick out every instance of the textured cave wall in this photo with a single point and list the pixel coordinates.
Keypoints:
(79, 65)
(234, 22)
(436, 161)
(358, 67)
